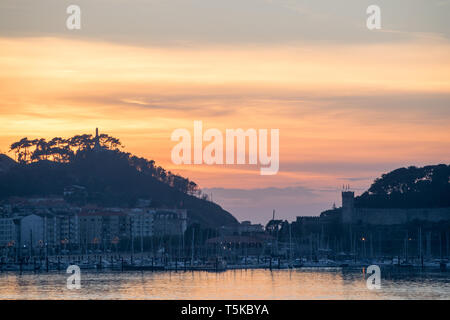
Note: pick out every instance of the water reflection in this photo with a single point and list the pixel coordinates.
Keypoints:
(232, 284)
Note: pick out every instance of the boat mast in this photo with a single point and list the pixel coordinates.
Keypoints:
(192, 246)
(132, 239)
(142, 235)
(290, 243)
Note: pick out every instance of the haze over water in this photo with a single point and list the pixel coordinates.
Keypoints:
(232, 284)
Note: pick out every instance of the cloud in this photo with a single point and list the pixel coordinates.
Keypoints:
(201, 105)
(190, 22)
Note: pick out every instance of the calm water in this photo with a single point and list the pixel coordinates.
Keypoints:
(232, 284)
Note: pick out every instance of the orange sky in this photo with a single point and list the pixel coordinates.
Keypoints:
(346, 113)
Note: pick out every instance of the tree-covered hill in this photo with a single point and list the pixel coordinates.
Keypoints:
(412, 187)
(111, 177)
(5, 163)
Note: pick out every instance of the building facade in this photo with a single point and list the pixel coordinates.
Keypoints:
(8, 234)
(102, 229)
(388, 216)
(141, 221)
(169, 222)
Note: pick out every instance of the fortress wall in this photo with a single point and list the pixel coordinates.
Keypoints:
(399, 216)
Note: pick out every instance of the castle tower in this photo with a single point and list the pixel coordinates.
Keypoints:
(348, 205)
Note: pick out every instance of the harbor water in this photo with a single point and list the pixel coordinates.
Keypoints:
(304, 283)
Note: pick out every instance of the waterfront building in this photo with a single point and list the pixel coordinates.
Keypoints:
(246, 227)
(102, 229)
(141, 221)
(8, 233)
(67, 231)
(33, 230)
(169, 222)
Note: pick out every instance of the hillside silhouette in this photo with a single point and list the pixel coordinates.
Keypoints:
(110, 177)
(412, 187)
(5, 163)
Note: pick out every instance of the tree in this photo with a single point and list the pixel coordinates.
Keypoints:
(109, 142)
(21, 149)
(428, 186)
(41, 151)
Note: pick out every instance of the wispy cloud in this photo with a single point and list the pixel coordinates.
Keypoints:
(194, 22)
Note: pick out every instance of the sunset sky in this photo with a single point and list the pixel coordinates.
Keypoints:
(350, 103)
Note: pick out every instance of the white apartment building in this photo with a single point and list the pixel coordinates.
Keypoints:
(8, 234)
(141, 221)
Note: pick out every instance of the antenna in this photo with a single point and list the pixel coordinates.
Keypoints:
(273, 215)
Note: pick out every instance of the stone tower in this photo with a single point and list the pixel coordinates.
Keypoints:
(348, 205)
(97, 141)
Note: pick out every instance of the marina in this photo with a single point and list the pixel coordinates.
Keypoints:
(212, 264)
